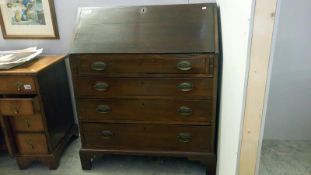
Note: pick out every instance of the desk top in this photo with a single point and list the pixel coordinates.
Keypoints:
(34, 66)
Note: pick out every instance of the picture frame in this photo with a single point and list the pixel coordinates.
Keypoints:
(28, 19)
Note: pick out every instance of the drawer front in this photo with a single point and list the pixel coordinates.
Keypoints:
(31, 144)
(31, 123)
(116, 87)
(148, 137)
(19, 106)
(169, 63)
(17, 85)
(146, 110)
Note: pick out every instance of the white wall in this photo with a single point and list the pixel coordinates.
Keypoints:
(66, 11)
(236, 18)
(288, 114)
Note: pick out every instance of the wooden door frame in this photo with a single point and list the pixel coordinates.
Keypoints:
(257, 86)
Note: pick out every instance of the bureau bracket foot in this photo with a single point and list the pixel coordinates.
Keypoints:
(86, 159)
(208, 161)
(50, 160)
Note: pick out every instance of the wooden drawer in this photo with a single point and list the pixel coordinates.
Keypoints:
(152, 64)
(17, 85)
(116, 87)
(19, 106)
(146, 110)
(32, 123)
(31, 144)
(147, 137)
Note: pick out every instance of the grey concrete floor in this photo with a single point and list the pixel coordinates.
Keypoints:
(278, 158)
(285, 158)
(109, 165)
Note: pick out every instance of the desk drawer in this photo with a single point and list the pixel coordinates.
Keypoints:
(32, 123)
(19, 106)
(114, 87)
(17, 85)
(160, 64)
(146, 110)
(31, 144)
(148, 137)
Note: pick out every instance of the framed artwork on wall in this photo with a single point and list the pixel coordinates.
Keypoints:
(28, 19)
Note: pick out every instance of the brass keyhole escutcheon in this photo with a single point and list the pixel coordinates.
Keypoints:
(143, 10)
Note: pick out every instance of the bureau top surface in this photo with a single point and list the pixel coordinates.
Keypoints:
(187, 28)
(33, 66)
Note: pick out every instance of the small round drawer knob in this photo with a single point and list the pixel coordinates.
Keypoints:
(31, 145)
(103, 109)
(19, 86)
(101, 86)
(106, 134)
(28, 123)
(185, 86)
(16, 109)
(184, 65)
(184, 111)
(184, 137)
(99, 66)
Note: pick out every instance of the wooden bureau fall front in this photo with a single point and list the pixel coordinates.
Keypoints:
(145, 81)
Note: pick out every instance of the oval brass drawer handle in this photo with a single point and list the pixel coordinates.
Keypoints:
(106, 134)
(103, 109)
(184, 137)
(101, 86)
(184, 111)
(184, 65)
(99, 66)
(185, 86)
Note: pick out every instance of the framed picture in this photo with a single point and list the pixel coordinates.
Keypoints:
(28, 19)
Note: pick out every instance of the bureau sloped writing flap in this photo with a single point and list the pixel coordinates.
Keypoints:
(146, 29)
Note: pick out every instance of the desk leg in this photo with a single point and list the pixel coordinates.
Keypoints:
(8, 136)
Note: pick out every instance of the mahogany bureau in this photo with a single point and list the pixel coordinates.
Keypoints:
(36, 111)
(145, 81)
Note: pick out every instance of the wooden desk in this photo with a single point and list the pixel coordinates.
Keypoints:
(36, 111)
